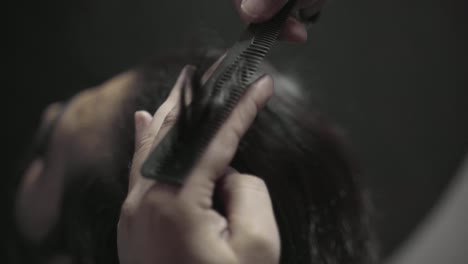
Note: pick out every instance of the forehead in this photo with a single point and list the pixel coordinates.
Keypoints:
(78, 146)
(85, 128)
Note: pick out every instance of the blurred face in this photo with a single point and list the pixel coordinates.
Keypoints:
(88, 132)
(79, 135)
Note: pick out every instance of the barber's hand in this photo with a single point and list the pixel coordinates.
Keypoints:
(169, 224)
(261, 10)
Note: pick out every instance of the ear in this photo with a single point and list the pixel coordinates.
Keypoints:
(32, 206)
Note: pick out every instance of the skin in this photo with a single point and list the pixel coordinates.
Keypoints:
(255, 11)
(152, 212)
(161, 224)
(77, 140)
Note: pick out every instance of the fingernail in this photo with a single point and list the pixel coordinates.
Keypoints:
(254, 8)
(264, 80)
(141, 119)
(265, 86)
(137, 124)
(297, 31)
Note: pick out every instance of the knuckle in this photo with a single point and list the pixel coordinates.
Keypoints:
(244, 117)
(147, 139)
(160, 203)
(231, 139)
(169, 104)
(263, 243)
(152, 200)
(253, 105)
(145, 142)
(164, 108)
(248, 111)
(172, 100)
(127, 212)
(170, 118)
(247, 182)
(254, 182)
(224, 148)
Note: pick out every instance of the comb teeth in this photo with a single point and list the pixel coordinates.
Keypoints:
(171, 160)
(265, 35)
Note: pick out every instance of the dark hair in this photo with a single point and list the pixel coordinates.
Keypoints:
(321, 211)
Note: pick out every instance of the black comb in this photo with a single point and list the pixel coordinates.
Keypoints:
(175, 155)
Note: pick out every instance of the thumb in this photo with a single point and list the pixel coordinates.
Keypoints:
(254, 234)
(142, 121)
(258, 10)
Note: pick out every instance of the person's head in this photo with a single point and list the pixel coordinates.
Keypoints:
(70, 195)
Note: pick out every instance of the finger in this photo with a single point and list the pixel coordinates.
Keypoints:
(148, 138)
(207, 74)
(220, 151)
(312, 6)
(293, 31)
(142, 121)
(258, 10)
(171, 116)
(30, 220)
(252, 224)
(168, 105)
(147, 135)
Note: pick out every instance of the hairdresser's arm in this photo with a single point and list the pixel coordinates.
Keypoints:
(261, 10)
(164, 224)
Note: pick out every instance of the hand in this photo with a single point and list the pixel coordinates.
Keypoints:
(261, 10)
(168, 224)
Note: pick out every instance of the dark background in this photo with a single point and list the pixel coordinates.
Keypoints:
(392, 74)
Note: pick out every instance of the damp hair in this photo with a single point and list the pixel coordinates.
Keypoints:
(321, 210)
